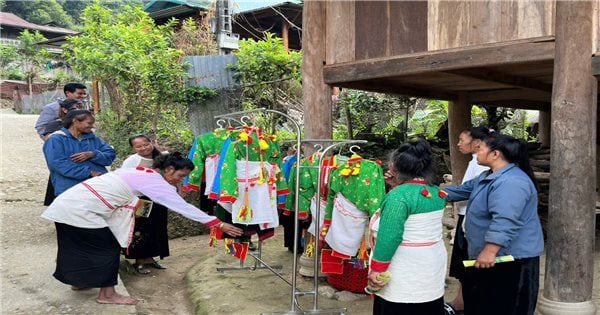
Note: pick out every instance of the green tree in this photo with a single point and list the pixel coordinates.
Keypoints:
(9, 68)
(133, 59)
(366, 114)
(270, 75)
(32, 59)
(40, 11)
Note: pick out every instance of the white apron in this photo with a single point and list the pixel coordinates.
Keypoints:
(210, 170)
(262, 197)
(313, 211)
(96, 203)
(347, 228)
(418, 267)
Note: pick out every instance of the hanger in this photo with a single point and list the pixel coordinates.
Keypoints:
(319, 147)
(354, 154)
(245, 120)
(221, 123)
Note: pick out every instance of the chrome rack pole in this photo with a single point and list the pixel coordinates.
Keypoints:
(293, 305)
(318, 217)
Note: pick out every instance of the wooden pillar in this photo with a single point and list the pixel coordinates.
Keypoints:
(571, 212)
(285, 34)
(459, 119)
(316, 94)
(544, 128)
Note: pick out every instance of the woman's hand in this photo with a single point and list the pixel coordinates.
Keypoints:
(390, 178)
(82, 156)
(373, 279)
(487, 257)
(231, 230)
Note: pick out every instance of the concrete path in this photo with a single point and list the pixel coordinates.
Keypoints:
(28, 241)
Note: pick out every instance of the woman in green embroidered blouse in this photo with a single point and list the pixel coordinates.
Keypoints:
(409, 243)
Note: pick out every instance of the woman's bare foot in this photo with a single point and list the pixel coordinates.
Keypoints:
(117, 299)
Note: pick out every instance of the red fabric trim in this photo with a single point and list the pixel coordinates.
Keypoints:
(267, 235)
(416, 181)
(212, 223)
(213, 196)
(340, 255)
(327, 222)
(302, 215)
(230, 199)
(93, 191)
(379, 266)
(287, 212)
(283, 192)
(190, 187)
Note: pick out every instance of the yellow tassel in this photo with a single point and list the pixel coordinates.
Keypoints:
(264, 145)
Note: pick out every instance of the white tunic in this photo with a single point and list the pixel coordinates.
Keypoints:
(92, 203)
(135, 160)
(419, 262)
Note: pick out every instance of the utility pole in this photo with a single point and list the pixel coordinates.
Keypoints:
(226, 39)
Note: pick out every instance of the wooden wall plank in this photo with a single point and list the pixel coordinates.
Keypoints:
(340, 32)
(497, 54)
(464, 23)
(372, 20)
(408, 31)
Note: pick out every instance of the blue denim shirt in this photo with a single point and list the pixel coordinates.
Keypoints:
(65, 173)
(502, 209)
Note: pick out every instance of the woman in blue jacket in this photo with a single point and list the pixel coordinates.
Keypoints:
(501, 219)
(74, 153)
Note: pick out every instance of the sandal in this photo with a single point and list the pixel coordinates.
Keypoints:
(141, 269)
(155, 265)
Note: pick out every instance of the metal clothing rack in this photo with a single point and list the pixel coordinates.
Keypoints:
(295, 307)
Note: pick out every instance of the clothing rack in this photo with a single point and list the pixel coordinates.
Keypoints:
(295, 307)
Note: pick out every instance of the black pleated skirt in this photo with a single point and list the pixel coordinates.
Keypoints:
(87, 258)
(150, 235)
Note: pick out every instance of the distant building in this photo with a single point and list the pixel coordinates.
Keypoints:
(249, 19)
(11, 27)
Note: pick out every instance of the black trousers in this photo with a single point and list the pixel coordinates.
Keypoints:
(383, 307)
(506, 289)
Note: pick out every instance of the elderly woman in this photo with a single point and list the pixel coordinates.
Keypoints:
(74, 153)
(64, 107)
(95, 219)
(150, 237)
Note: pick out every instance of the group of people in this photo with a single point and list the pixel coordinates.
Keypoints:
(95, 210)
(95, 217)
(409, 261)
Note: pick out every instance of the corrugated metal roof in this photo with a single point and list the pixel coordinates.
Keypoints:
(239, 6)
(158, 5)
(10, 19)
(242, 6)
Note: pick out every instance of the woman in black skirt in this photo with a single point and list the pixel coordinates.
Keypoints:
(150, 237)
(95, 219)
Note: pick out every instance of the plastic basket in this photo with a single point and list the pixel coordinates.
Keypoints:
(353, 279)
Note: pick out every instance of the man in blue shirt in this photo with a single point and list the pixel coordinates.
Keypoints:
(74, 91)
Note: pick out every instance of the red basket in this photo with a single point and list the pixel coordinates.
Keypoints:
(353, 279)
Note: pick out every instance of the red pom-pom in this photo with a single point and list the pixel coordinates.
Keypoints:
(379, 162)
(149, 171)
(442, 194)
(425, 193)
(139, 168)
